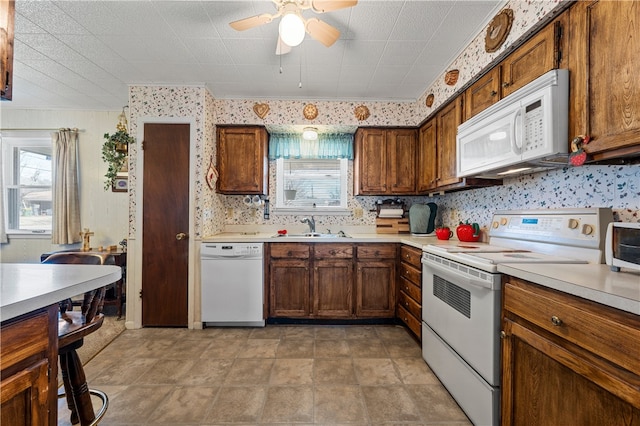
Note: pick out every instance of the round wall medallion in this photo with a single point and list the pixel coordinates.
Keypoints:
(261, 110)
(429, 101)
(498, 30)
(451, 77)
(310, 111)
(362, 112)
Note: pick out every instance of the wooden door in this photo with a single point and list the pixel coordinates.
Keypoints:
(482, 94)
(165, 227)
(370, 165)
(605, 87)
(426, 169)
(401, 163)
(448, 120)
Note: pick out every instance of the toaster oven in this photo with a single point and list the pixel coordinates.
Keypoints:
(622, 246)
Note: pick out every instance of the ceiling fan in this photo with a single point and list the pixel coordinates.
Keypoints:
(293, 25)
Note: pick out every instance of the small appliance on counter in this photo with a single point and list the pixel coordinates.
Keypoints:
(422, 218)
(622, 246)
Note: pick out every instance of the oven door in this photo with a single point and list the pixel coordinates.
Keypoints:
(462, 306)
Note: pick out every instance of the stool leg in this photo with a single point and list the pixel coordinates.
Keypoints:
(64, 368)
(79, 388)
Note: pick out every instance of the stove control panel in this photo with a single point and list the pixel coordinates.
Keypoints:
(577, 227)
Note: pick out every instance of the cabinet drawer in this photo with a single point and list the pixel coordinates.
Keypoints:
(411, 255)
(607, 332)
(412, 322)
(411, 290)
(409, 304)
(335, 251)
(377, 251)
(410, 273)
(23, 339)
(286, 250)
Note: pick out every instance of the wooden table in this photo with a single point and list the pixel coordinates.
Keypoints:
(29, 295)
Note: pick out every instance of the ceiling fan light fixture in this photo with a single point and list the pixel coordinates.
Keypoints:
(291, 29)
(310, 133)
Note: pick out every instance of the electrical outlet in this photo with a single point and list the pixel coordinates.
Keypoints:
(357, 212)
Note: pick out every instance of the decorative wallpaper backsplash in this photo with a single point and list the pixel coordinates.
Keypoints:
(617, 187)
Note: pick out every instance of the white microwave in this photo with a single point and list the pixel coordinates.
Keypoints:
(622, 246)
(525, 132)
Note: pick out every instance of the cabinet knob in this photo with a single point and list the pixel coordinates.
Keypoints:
(556, 321)
(493, 93)
(332, 252)
(506, 84)
(289, 253)
(503, 334)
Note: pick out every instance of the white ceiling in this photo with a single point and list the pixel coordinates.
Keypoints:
(84, 54)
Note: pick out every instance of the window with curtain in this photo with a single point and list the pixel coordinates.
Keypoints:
(311, 176)
(27, 178)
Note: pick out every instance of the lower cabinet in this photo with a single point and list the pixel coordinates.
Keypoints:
(566, 360)
(409, 308)
(331, 280)
(28, 349)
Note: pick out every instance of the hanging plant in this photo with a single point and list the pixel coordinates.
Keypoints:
(114, 153)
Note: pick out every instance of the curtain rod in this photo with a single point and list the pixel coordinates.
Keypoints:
(75, 129)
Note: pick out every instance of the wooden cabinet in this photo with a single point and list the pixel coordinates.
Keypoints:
(605, 88)
(289, 280)
(332, 280)
(566, 360)
(7, 18)
(242, 160)
(448, 119)
(28, 350)
(427, 172)
(409, 308)
(385, 161)
(375, 280)
(542, 53)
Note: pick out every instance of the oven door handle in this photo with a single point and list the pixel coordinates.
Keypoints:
(455, 277)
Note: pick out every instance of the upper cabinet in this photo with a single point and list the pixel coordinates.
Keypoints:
(542, 53)
(385, 161)
(427, 172)
(448, 119)
(7, 14)
(242, 160)
(605, 89)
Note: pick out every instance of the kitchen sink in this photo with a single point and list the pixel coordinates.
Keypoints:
(312, 235)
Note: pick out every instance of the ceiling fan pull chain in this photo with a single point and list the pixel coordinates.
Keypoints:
(300, 82)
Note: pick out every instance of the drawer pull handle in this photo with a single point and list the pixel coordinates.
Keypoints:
(556, 321)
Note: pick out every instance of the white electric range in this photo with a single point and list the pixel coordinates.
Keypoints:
(461, 292)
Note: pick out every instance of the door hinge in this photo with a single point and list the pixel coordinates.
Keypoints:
(142, 145)
(557, 44)
(140, 294)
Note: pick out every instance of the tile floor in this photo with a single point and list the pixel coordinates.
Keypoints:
(303, 375)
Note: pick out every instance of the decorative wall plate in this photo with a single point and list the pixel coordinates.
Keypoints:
(361, 112)
(310, 111)
(261, 110)
(451, 77)
(429, 100)
(498, 30)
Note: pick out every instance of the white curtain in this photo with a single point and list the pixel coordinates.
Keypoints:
(3, 231)
(66, 201)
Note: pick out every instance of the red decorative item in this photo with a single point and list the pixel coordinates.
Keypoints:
(468, 232)
(578, 155)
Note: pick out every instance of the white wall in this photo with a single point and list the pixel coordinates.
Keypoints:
(103, 212)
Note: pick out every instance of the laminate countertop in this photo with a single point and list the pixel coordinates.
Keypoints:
(26, 287)
(595, 282)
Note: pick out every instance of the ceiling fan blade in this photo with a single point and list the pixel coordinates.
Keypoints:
(321, 31)
(254, 21)
(282, 48)
(322, 6)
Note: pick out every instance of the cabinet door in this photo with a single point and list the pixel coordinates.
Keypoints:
(539, 388)
(375, 289)
(7, 17)
(604, 62)
(333, 288)
(401, 163)
(427, 171)
(24, 396)
(289, 285)
(370, 162)
(482, 94)
(535, 57)
(448, 121)
(242, 160)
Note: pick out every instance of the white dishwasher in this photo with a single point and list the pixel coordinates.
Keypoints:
(231, 281)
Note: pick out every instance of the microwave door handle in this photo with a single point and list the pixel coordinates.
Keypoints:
(515, 135)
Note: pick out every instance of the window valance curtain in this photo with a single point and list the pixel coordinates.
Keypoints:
(328, 146)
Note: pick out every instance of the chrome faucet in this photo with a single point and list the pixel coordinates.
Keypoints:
(311, 222)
